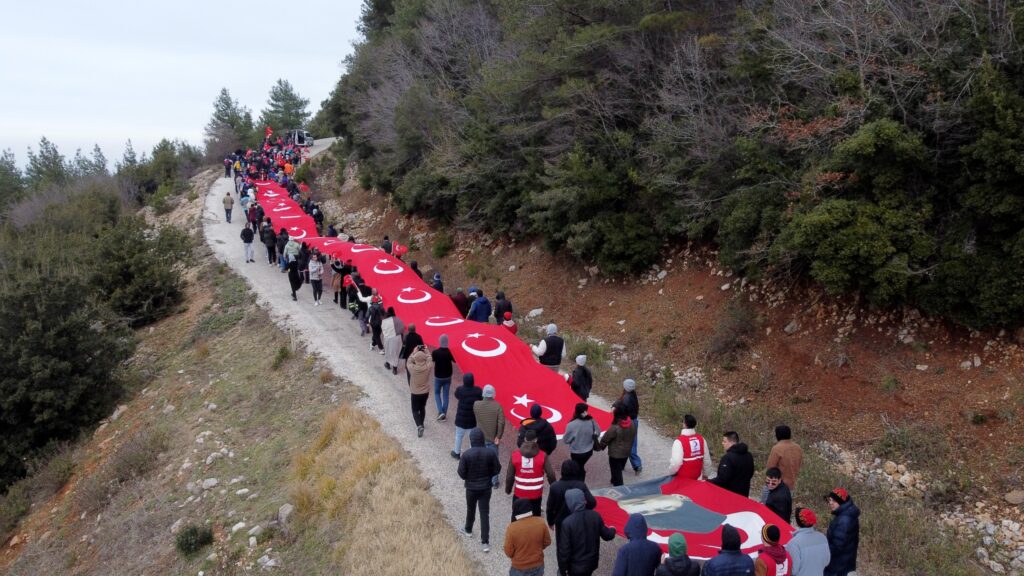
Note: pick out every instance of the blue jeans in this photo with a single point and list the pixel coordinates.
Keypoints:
(227, 215)
(535, 571)
(441, 388)
(493, 448)
(634, 458)
(282, 262)
(460, 433)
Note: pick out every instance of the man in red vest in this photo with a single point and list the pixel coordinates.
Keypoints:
(773, 560)
(690, 455)
(526, 471)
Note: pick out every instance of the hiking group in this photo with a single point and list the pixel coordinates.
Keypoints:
(569, 512)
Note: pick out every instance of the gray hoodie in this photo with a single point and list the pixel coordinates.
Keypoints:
(575, 500)
(809, 550)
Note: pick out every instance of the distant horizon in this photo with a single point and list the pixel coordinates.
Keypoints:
(62, 75)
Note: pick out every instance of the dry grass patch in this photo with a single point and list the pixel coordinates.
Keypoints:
(356, 493)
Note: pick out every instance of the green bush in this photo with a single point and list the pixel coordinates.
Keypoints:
(443, 246)
(282, 356)
(193, 538)
(304, 174)
(13, 506)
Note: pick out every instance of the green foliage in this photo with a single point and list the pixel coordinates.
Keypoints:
(12, 183)
(230, 127)
(280, 357)
(47, 167)
(443, 246)
(890, 384)
(304, 174)
(732, 332)
(800, 142)
(285, 110)
(193, 538)
(13, 506)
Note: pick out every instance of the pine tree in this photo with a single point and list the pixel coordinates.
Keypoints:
(96, 165)
(12, 183)
(285, 109)
(229, 128)
(46, 168)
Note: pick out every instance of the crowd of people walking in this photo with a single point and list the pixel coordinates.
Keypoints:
(569, 513)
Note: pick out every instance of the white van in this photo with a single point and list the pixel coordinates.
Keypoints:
(298, 137)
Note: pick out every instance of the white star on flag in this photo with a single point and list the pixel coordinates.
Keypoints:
(383, 261)
(294, 228)
(523, 400)
(407, 289)
(474, 335)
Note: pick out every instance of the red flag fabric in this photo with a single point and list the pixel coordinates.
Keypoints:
(268, 131)
(284, 212)
(695, 508)
(399, 250)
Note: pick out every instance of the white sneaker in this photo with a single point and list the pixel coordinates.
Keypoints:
(487, 547)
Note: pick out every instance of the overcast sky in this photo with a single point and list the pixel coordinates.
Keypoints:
(102, 72)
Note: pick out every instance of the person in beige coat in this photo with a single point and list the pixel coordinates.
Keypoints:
(421, 370)
(786, 455)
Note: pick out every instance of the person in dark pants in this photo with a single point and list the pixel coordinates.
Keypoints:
(557, 510)
(294, 278)
(843, 533)
(527, 468)
(476, 467)
(631, 403)
(419, 367)
(579, 548)
(736, 467)
(776, 495)
(618, 439)
(270, 241)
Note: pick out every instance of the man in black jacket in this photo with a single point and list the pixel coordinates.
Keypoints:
(558, 510)
(579, 548)
(546, 437)
(776, 495)
(477, 466)
(736, 467)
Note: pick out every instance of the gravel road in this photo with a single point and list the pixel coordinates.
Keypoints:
(329, 332)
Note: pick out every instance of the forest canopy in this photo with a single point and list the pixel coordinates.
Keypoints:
(874, 146)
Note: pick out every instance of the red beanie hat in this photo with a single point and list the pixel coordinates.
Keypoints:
(805, 517)
(508, 315)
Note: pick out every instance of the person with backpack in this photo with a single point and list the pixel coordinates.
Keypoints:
(527, 468)
(581, 380)
(247, 237)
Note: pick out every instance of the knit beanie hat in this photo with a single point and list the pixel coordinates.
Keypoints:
(840, 495)
(444, 341)
(770, 534)
(677, 545)
(508, 315)
(629, 385)
(535, 411)
(581, 359)
(805, 517)
(488, 391)
(552, 329)
(730, 537)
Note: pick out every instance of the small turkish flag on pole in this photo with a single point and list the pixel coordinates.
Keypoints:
(269, 131)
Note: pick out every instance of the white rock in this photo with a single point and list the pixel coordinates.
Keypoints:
(977, 361)
(535, 312)
(211, 406)
(256, 530)
(252, 541)
(117, 413)
(662, 274)
(242, 492)
(176, 527)
(284, 512)
(621, 322)
(210, 483)
(512, 268)
(699, 298)
(792, 327)
(213, 456)
(212, 557)
(237, 527)
(726, 286)
(922, 367)
(966, 365)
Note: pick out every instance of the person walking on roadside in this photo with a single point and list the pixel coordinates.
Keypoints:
(808, 548)
(843, 533)
(465, 419)
(618, 439)
(527, 468)
(461, 302)
(580, 435)
(338, 274)
(546, 437)
(392, 331)
(420, 367)
(282, 240)
(375, 318)
(551, 349)
(443, 369)
(476, 467)
(480, 309)
(786, 455)
(631, 403)
(247, 237)
(412, 340)
(490, 419)
(677, 563)
(501, 306)
(557, 510)
(579, 548)
(773, 559)
(364, 294)
(294, 278)
(690, 455)
(729, 561)
(736, 467)
(437, 284)
(525, 541)
(640, 557)
(581, 380)
(316, 276)
(229, 203)
(227, 166)
(386, 245)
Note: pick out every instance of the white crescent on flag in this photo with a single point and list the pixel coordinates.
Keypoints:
(438, 321)
(396, 270)
(425, 296)
(496, 351)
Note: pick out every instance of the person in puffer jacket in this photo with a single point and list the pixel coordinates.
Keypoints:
(476, 466)
(730, 561)
(421, 369)
(678, 563)
(546, 437)
(641, 556)
(843, 534)
(579, 548)
(465, 419)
